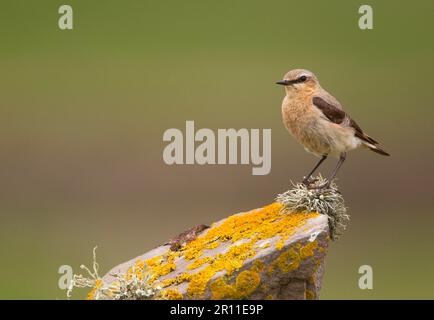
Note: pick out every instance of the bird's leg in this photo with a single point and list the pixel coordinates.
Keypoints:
(334, 172)
(338, 165)
(306, 180)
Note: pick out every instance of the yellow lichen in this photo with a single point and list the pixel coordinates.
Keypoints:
(198, 263)
(152, 261)
(310, 295)
(308, 250)
(312, 279)
(242, 232)
(177, 280)
(170, 294)
(213, 245)
(257, 225)
(162, 266)
(229, 261)
(220, 289)
(280, 243)
(290, 259)
(91, 294)
(258, 266)
(245, 284)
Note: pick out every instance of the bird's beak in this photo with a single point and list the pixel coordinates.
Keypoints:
(283, 82)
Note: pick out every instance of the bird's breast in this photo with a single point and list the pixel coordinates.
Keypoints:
(306, 126)
(297, 117)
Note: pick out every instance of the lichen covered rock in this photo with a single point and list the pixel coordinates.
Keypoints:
(265, 253)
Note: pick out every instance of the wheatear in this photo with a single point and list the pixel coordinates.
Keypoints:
(316, 119)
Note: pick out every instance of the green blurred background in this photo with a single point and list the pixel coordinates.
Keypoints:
(83, 113)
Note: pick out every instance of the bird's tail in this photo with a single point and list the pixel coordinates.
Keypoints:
(380, 151)
(376, 149)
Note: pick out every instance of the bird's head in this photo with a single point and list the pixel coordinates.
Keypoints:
(299, 80)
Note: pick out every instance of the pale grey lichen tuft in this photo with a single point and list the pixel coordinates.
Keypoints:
(134, 285)
(324, 201)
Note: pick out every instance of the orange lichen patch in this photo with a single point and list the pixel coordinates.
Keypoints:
(91, 294)
(213, 245)
(152, 261)
(280, 243)
(310, 295)
(269, 297)
(308, 250)
(245, 284)
(199, 262)
(229, 261)
(290, 260)
(220, 289)
(137, 271)
(177, 280)
(163, 266)
(234, 258)
(170, 294)
(156, 267)
(258, 266)
(312, 279)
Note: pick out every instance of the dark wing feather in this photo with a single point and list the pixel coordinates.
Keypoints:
(331, 112)
(338, 116)
(360, 134)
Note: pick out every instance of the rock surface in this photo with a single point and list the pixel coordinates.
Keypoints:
(265, 253)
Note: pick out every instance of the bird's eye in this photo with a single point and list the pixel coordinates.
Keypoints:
(302, 79)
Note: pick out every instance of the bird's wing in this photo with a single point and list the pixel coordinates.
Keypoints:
(336, 115)
(330, 111)
(327, 97)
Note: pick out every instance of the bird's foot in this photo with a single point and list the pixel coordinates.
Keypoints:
(308, 181)
(323, 186)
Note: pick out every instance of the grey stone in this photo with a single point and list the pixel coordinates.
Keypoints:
(293, 271)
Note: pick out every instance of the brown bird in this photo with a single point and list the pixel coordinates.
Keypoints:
(317, 120)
